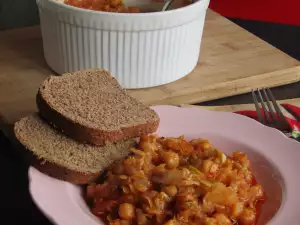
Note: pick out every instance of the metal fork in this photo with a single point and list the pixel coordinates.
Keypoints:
(271, 119)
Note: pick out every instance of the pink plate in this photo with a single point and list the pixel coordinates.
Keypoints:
(275, 160)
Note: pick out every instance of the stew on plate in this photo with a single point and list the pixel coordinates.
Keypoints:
(172, 181)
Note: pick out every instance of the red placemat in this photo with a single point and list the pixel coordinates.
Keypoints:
(283, 11)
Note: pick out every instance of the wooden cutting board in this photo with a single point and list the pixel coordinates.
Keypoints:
(232, 62)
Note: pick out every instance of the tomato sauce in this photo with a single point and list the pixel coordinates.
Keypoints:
(103, 5)
(258, 204)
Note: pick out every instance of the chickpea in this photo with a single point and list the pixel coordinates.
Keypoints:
(206, 165)
(214, 168)
(205, 146)
(126, 211)
(115, 3)
(171, 190)
(247, 217)
(141, 217)
(171, 159)
(141, 185)
(241, 158)
(210, 221)
(256, 192)
(222, 219)
(237, 209)
(171, 222)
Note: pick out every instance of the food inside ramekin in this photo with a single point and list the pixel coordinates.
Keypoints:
(171, 181)
(103, 5)
(117, 6)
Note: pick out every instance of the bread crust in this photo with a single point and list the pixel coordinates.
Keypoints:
(90, 135)
(62, 173)
(52, 169)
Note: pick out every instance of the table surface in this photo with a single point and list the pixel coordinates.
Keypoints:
(19, 206)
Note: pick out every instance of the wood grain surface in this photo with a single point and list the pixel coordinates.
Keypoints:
(232, 62)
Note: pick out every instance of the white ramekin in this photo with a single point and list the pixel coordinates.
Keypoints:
(140, 50)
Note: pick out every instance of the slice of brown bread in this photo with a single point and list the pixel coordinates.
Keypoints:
(62, 157)
(90, 106)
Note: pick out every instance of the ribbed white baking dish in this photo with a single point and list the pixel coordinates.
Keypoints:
(140, 50)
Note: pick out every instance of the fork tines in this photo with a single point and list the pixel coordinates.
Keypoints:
(267, 115)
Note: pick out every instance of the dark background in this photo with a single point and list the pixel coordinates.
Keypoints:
(16, 206)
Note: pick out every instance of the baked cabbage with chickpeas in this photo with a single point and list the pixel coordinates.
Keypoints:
(172, 181)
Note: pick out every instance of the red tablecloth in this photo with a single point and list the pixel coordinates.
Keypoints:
(283, 11)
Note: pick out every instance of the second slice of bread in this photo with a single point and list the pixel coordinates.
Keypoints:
(90, 106)
(63, 158)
